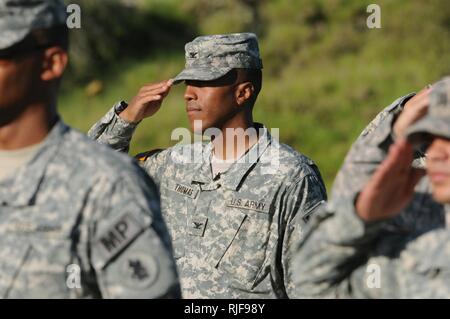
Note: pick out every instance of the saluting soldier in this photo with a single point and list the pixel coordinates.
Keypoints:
(234, 210)
(352, 250)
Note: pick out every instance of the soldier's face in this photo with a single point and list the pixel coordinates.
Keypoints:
(211, 102)
(17, 77)
(438, 169)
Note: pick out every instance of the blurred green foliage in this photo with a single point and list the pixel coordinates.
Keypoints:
(326, 75)
(113, 31)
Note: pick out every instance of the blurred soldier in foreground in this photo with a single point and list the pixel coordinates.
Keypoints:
(422, 213)
(346, 253)
(76, 220)
(234, 209)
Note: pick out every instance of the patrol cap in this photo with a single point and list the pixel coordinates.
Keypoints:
(18, 18)
(437, 120)
(211, 57)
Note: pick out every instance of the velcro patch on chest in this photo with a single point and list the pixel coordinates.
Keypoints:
(118, 236)
(256, 205)
(185, 190)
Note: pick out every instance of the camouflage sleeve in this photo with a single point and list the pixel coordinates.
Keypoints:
(331, 261)
(300, 202)
(112, 130)
(367, 152)
(338, 259)
(129, 244)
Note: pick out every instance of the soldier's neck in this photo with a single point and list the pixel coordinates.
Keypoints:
(238, 135)
(29, 128)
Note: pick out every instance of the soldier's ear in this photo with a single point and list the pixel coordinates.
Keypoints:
(54, 63)
(244, 92)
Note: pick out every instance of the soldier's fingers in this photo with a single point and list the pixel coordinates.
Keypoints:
(422, 92)
(404, 155)
(422, 98)
(166, 88)
(396, 165)
(162, 83)
(156, 91)
(381, 178)
(167, 91)
(422, 109)
(415, 112)
(420, 102)
(149, 98)
(425, 89)
(146, 90)
(161, 92)
(152, 86)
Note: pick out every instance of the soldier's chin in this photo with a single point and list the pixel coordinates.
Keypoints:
(198, 126)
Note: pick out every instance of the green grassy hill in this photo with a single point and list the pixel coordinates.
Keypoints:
(326, 74)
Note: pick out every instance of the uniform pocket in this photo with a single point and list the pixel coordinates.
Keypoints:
(240, 250)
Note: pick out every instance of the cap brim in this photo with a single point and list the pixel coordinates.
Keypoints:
(201, 74)
(422, 131)
(10, 38)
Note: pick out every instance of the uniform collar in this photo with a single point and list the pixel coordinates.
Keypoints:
(232, 178)
(20, 190)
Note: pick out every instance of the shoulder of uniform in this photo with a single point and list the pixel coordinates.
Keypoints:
(142, 157)
(292, 157)
(293, 164)
(179, 149)
(79, 148)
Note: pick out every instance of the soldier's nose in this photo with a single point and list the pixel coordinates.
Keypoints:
(189, 94)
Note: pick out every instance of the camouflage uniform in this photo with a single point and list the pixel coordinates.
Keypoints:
(342, 255)
(78, 220)
(369, 150)
(232, 235)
